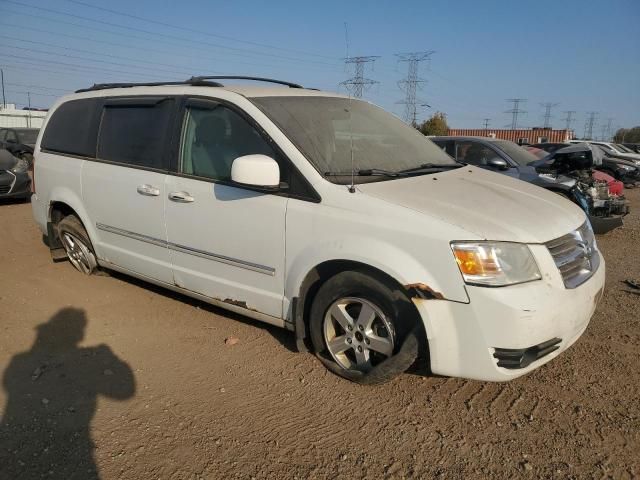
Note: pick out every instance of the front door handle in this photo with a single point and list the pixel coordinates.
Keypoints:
(148, 190)
(181, 197)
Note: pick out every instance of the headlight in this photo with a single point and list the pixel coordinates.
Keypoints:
(21, 166)
(495, 264)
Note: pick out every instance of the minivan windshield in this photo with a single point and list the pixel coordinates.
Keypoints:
(327, 129)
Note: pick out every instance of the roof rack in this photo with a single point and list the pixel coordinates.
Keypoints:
(105, 86)
(199, 78)
(196, 81)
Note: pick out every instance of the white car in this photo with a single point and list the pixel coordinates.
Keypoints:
(321, 214)
(613, 149)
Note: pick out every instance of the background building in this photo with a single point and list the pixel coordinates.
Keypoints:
(10, 116)
(531, 135)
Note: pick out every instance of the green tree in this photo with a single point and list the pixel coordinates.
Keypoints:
(436, 125)
(627, 135)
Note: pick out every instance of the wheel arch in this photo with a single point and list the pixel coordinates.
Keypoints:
(322, 272)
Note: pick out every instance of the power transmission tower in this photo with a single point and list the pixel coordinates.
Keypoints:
(486, 123)
(515, 111)
(568, 120)
(547, 113)
(411, 83)
(358, 83)
(588, 126)
(606, 130)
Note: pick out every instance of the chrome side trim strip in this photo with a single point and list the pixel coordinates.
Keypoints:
(222, 259)
(190, 251)
(135, 236)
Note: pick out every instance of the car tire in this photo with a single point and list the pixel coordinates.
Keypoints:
(363, 328)
(75, 240)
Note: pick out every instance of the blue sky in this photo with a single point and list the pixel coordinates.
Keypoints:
(584, 55)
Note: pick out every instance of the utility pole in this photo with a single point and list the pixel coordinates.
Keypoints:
(411, 83)
(515, 111)
(568, 120)
(4, 100)
(547, 113)
(486, 123)
(588, 126)
(29, 111)
(358, 83)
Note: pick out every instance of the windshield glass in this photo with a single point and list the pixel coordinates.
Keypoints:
(622, 148)
(325, 128)
(28, 136)
(515, 152)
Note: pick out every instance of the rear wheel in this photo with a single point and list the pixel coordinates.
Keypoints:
(76, 243)
(359, 325)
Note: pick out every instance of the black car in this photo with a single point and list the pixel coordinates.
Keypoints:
(19, 141)
(633, 146)
(14, 176)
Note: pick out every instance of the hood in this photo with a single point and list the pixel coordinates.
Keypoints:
(486, 204)
(7, 161)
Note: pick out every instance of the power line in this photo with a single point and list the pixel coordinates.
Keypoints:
(193, 30)
(588, 126)
(547, 113)
(411, 83)
(173, 37)
(358, 83)
(515, 111)
(568, 119)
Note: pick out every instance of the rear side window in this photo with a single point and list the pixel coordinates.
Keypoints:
(135, 132)
(73, 128)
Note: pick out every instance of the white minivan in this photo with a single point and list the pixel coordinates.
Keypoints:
(321, 214)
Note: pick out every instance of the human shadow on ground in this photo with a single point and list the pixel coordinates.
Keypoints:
(52, 390)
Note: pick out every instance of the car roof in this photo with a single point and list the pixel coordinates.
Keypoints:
(455, 137)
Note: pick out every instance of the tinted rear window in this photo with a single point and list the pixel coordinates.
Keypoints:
(136, 134)
(73, 128)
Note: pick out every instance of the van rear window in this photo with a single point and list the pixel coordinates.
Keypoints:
(136, 134)
(73, 128)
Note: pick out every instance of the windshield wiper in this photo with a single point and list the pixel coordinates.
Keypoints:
(366, 172)
(430, 166)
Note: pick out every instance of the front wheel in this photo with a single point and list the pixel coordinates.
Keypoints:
(76, 243)
(361, 328)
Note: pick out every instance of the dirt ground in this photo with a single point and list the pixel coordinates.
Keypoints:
(110, 377)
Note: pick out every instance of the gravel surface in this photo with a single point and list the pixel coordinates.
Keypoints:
(109, 377)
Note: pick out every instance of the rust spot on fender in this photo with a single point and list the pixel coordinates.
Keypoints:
(424, 291)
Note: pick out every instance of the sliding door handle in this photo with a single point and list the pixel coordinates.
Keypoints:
(148, 190)
(181, 197)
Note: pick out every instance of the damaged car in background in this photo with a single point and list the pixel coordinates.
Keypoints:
(19, 141)
(567, 171)
(14, 176)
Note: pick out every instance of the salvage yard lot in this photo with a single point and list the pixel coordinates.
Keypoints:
(175, 401)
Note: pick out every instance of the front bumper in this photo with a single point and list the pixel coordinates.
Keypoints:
(469, 339)
(14, 185)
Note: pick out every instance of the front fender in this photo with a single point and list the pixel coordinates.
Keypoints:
(386, 257)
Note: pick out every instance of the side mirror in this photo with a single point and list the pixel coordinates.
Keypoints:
(498, 163)
(256, 171)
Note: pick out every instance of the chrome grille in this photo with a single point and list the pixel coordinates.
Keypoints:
(575, 255)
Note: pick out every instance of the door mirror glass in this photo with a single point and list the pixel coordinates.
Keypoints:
(498, 163)
(256, 170)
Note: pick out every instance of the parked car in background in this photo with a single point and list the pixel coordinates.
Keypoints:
(322, 214)
(627, 171)
(19, 141)
(551, 172)
(634, 147)
(612, 150)
(14, 176)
